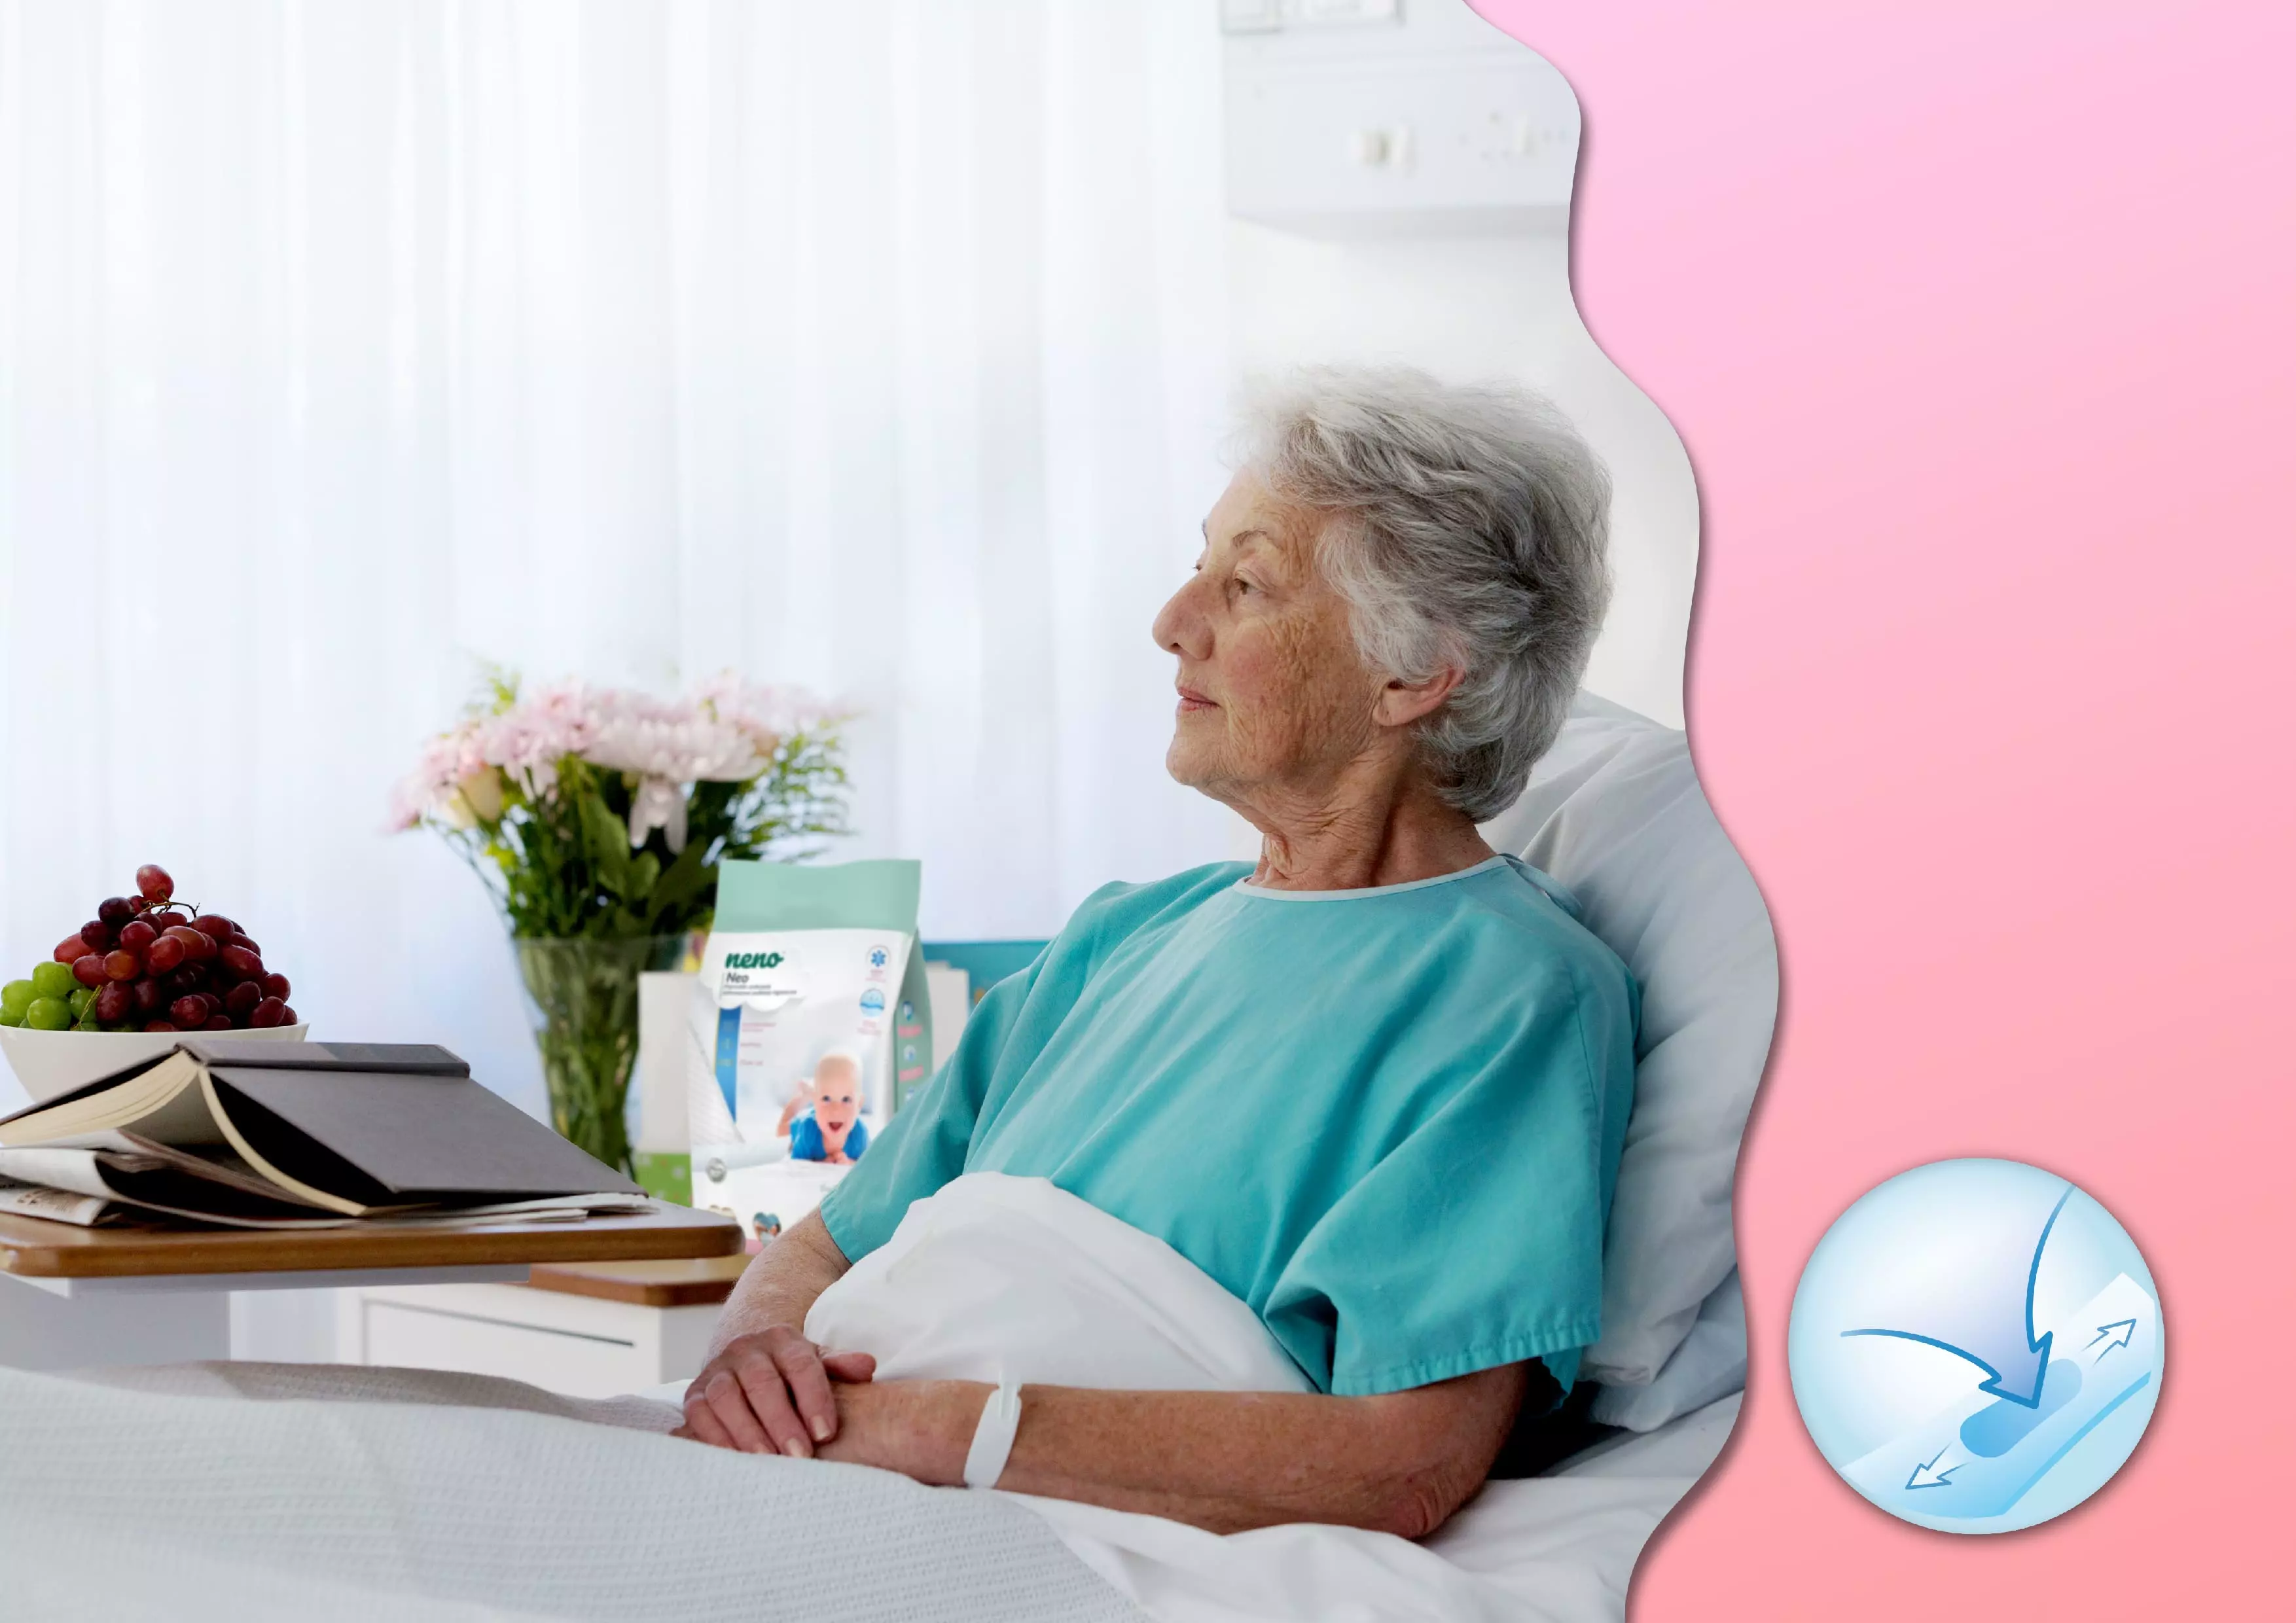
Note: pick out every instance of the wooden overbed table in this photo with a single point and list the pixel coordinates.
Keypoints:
(93, 1297)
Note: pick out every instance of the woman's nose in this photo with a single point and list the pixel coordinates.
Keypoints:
(1180, 626)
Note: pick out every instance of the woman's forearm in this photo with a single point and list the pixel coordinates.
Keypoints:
(780, 1285)
(1232, 1461)
(1223, 1461)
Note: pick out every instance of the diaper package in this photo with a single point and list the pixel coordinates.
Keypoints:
(808, 1021)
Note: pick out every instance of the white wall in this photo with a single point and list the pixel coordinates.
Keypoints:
(1471, 307)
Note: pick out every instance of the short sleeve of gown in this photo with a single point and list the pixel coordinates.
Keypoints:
(1477, 1240)
(923, 1147)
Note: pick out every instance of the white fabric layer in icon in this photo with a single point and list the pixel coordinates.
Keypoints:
(1980, 1455)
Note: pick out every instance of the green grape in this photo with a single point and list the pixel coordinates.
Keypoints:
(7, 1019)
(54, 980)
(16, 997)
(48, 1014)
(82, 999)
(88, 1023)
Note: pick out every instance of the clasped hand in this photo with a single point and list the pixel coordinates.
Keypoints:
(774, 1392)
(771, 1392)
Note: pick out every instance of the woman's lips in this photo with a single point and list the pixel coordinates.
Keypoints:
(1192, 701)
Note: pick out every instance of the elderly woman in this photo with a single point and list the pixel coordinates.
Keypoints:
(1374, 1085)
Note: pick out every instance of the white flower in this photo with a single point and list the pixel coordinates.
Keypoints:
(658, 804)
(483, 792)
(680, 741)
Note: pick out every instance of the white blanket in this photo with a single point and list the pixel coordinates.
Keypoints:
(165, 1494)
(436, 1499)
(1003, 1278)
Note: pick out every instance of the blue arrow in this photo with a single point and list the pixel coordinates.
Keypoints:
(2122, 1328)
(1928, 1470)
(2015, 1361)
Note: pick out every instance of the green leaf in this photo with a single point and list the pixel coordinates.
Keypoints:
(685, 878)
(606, 839)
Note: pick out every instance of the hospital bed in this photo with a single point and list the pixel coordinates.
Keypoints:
(238, 1491)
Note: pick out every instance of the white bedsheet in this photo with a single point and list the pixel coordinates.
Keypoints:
(257, 1494)
(239, 1492)
(998, 1277)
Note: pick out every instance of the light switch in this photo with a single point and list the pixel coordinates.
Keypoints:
(1383, 149)
(1507, 137)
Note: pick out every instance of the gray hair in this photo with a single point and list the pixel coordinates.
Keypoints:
(1478, 526)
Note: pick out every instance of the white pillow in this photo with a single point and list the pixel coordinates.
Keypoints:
(1710, 1363)
(1614, 811)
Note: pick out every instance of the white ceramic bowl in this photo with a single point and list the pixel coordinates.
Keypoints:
(51, 1062)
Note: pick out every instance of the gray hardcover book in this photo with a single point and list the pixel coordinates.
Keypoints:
(351, 1127)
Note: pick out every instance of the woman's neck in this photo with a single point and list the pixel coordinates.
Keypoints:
(1358, 841)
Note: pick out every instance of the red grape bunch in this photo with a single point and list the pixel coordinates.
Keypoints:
(148, 963)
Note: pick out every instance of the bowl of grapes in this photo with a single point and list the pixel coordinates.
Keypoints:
(133, 981)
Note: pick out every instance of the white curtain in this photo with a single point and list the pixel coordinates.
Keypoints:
(876, 347)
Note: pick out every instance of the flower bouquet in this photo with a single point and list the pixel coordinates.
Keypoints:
(597, 818)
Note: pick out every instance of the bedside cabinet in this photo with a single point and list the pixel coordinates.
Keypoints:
(586, 1330)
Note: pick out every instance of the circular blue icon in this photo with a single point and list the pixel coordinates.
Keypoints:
(1975, 1346)
(872, 1001)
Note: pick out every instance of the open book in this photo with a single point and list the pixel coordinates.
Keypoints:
(263, 1134)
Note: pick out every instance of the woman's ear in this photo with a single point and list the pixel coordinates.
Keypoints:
(1401, 703)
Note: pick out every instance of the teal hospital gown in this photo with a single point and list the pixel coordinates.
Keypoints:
(1388, 1120)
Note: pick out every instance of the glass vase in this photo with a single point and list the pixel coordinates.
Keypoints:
(585, 1000)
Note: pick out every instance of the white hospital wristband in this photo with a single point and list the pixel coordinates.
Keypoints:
(992, 1439)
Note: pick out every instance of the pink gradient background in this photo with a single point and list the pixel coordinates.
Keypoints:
(1975, 316)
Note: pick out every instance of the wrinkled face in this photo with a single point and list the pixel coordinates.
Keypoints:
(836, 1096)
(1273, 693)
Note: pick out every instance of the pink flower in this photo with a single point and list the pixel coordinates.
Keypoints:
(765, 714)
(444, 763)
(725, 730)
